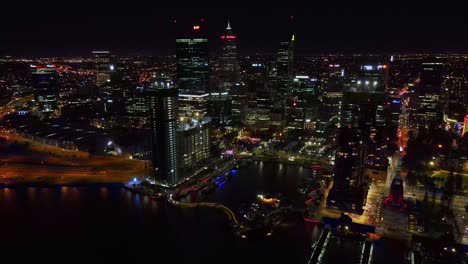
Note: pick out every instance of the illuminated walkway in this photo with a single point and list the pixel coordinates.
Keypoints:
(227, 211)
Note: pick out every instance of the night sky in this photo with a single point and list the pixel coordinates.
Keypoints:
(42, 28)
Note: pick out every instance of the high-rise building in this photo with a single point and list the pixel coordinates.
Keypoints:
(426, 100)
(455, 88)
(164, 118)
(285, 66)
(294, 112)
(350, 186)
(192, 63)
(332, 93)
(366, 107)
(44, 82)
(229, 61)
(193, 143)
(103, 66)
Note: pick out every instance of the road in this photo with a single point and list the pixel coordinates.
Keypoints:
(12, 106)
(54, 165)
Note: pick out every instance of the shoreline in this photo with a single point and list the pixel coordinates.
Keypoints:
(53, 185)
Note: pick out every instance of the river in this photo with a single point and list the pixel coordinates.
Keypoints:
(108, 223)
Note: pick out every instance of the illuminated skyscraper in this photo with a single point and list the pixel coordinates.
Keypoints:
(285, 66)
(44, 82)
(192, 63)
(229, 62)
(349, 190)
(102, 62)
(455, 101)
(365, 106)
(192, 73)
(164, 117)
(426, 100)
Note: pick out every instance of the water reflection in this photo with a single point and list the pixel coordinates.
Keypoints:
(104, 192)
(110, 216)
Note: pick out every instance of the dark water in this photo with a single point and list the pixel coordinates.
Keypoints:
(110, 223)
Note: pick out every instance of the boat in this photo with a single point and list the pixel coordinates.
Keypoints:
(222, 178)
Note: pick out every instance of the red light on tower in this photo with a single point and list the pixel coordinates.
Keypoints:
(294, 104)
(230, 37)
(384, 66)
(196, 27)
(223, 37)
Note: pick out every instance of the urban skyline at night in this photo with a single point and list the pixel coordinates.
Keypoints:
(261, 132)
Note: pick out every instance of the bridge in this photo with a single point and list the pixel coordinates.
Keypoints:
(227, 211)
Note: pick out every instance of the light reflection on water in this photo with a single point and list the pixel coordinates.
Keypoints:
(110, 216)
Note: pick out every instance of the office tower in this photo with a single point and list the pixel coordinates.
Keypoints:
(192, 62)
(349, 189)
(426, 100)
(255, 79)
(455, 99)
(192, 73)
(285, 66)
(306, 106)
(103, 66)
(333, 83)
(365, 106)
(294, 112)
(229, 62)
(44, 82)
(164, 117)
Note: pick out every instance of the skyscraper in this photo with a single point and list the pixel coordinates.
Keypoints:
(192, 62)
(228, 60)
(285, 66)
(455, 97)
(102, 62)
(333, 83)
(349, 189)
(164, 117)
(426, 100)
(44, 82)
(192, 73)
(364, 107)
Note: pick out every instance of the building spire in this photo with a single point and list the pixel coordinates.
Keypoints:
(229, 25)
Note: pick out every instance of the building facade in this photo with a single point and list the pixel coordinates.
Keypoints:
(164, 118)
(44, 82)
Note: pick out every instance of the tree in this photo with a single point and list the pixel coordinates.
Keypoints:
(449, 189)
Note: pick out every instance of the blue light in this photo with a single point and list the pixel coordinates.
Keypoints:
(396, 101)
(222, 183)
(134, 179)
(233, 171)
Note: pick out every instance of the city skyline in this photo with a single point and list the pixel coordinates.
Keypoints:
(210, 155)
(147, 28)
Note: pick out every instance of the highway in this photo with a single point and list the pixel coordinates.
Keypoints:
(15, 103)
(53, 165)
